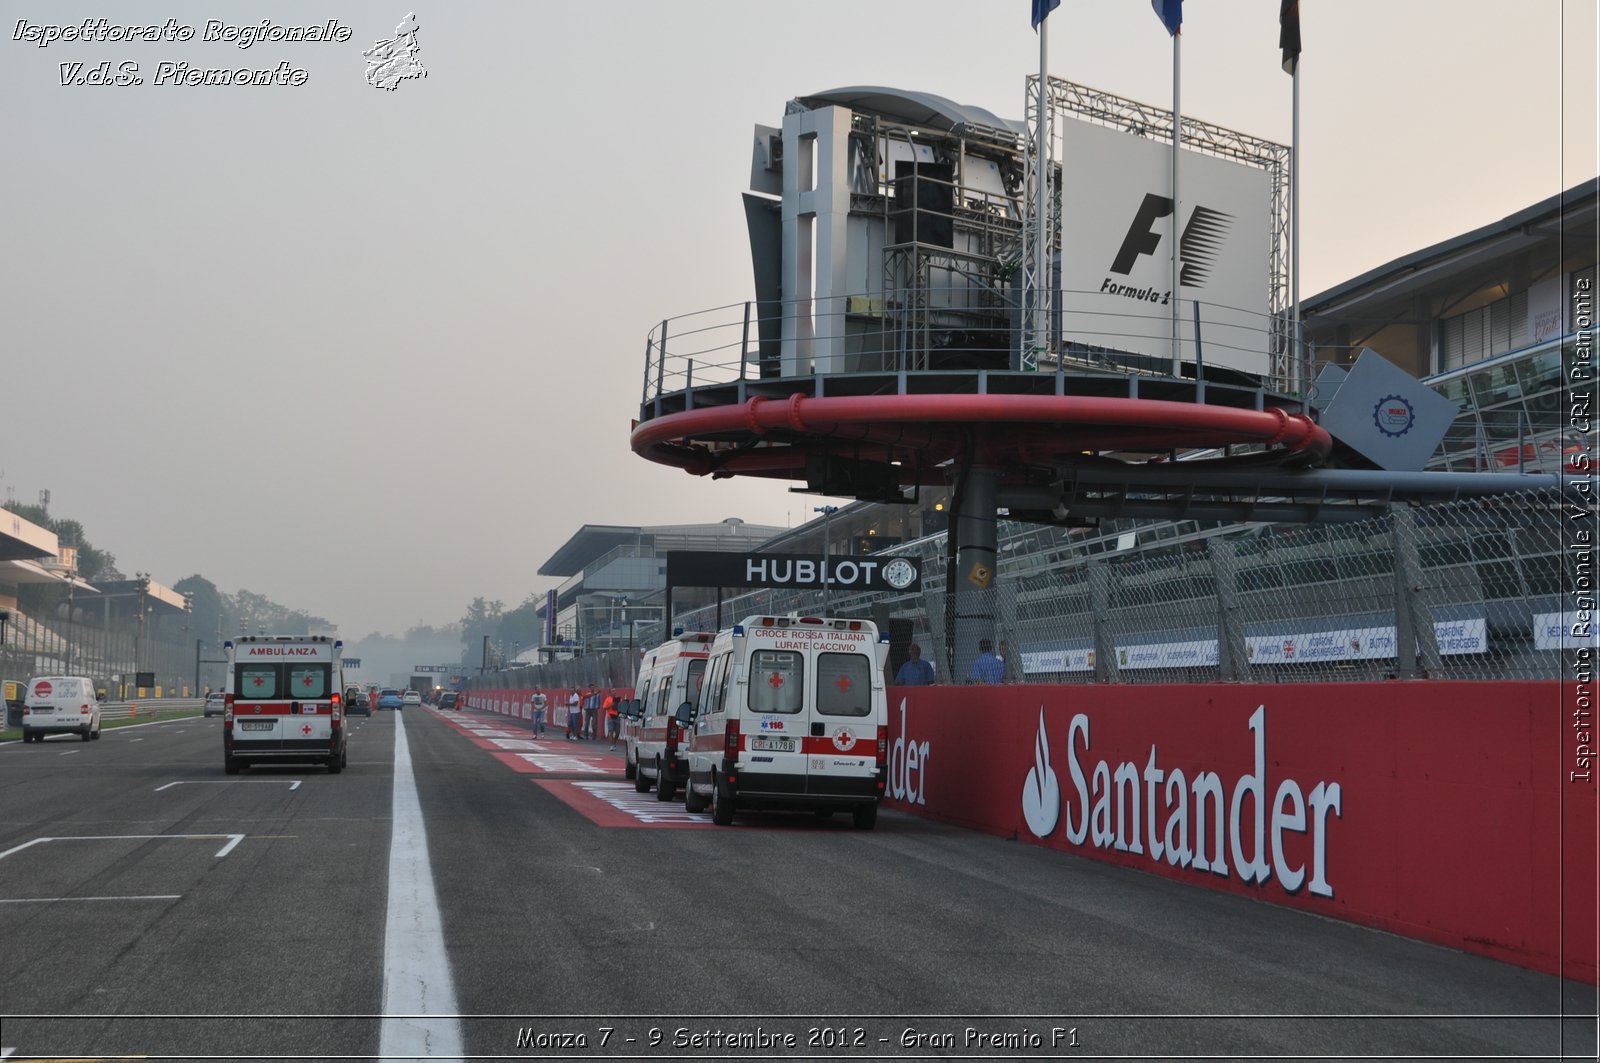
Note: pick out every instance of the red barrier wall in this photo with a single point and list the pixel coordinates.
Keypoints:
(1443, 811)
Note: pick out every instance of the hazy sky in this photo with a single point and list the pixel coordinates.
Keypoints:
(375, 353)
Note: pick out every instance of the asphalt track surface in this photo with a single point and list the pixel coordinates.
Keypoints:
(252, 917)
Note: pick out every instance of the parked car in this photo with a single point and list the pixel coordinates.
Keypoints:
(411, 697)
(216, 703)
(390, 699)
(447, 700)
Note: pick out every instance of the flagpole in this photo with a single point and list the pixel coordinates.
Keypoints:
(1177, 213)
(1302, 367)
(1041, 256)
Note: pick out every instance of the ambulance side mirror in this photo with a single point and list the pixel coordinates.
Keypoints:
(685, 713)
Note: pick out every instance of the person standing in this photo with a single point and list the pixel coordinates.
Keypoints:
(574, 716)
(613, 718)
(987, 668)
(541, 705)
(916, 672)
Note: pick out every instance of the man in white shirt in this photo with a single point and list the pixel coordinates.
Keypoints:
(574, 716)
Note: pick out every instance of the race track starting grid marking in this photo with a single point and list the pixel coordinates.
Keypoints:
(616, 804)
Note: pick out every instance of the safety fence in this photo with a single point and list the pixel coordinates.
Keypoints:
(110, 649)
(611, 670)
(1487, 588)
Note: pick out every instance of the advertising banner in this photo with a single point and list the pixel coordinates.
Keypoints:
(713, 568)
(1461, 813)
(1117, 231)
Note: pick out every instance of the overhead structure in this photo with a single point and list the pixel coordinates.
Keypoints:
(887, 349)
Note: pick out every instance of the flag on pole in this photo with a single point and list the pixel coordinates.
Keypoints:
(1289, 34)
(1042, 8)
(1170, 12)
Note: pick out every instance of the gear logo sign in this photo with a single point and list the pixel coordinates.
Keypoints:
(1393, 416)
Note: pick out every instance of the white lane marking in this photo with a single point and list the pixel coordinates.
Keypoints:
(234, 839)
(55, 900)
(136, 740)
(69, 752)
(419, 999)
(294, 784)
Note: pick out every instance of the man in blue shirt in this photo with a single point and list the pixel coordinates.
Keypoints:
(987, 668)
(915, 672)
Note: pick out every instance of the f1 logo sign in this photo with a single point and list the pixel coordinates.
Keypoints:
(1197, 247)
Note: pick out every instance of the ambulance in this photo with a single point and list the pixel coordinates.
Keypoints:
(793, 716)
(282, 702)
(669, 676)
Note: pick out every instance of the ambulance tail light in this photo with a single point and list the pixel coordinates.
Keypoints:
(227, 711)
(334, 708)
(730, 740)
(672, 737)
(883, 745)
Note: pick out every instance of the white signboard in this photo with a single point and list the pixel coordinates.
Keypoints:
(1362, 643)
(1058, 660)
(1117, 233)
(1168, 655)
(1565, 631)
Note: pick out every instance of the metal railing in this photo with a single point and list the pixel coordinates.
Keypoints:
(962, 327)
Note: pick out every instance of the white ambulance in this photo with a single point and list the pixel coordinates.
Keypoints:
(669, 675)
(282, 702)
(794, 715)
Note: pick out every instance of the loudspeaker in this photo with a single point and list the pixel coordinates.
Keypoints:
(924, 204)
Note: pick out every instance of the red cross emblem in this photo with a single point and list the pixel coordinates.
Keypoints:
(844, 684)
(306, 681)
(775, 680)
(259, 681)
(305, 728)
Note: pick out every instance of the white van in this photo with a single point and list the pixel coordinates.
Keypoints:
(283, 701)
(60, 703)
(794, 715)
(669, 675)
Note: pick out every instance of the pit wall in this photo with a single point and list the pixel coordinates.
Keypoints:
(1442, 811)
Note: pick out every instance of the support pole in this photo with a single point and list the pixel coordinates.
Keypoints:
(973, 526)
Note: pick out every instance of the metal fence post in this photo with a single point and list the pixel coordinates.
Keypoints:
(1415, 635)
(1105, 649)
(744, 343)
(1233, 661)
(661, 364)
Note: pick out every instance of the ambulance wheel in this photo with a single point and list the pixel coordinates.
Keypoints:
(630, 770)
(28, 736)
(335, 763)
(864, 817)
(344, 758)
(692, 802)
(666, 789)
(84, 734)
(230, 765)
(641, 781)
(721, 802)
(96, 734)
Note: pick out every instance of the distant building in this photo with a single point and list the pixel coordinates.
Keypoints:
(616, 578)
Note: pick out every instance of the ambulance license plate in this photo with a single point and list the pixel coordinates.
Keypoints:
(256, 725)
(775, 745)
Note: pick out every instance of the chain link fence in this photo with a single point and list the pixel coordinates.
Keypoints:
(86, 640)
(612, 669)
(1473, 589)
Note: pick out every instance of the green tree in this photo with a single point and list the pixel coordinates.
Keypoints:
(482, 619)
